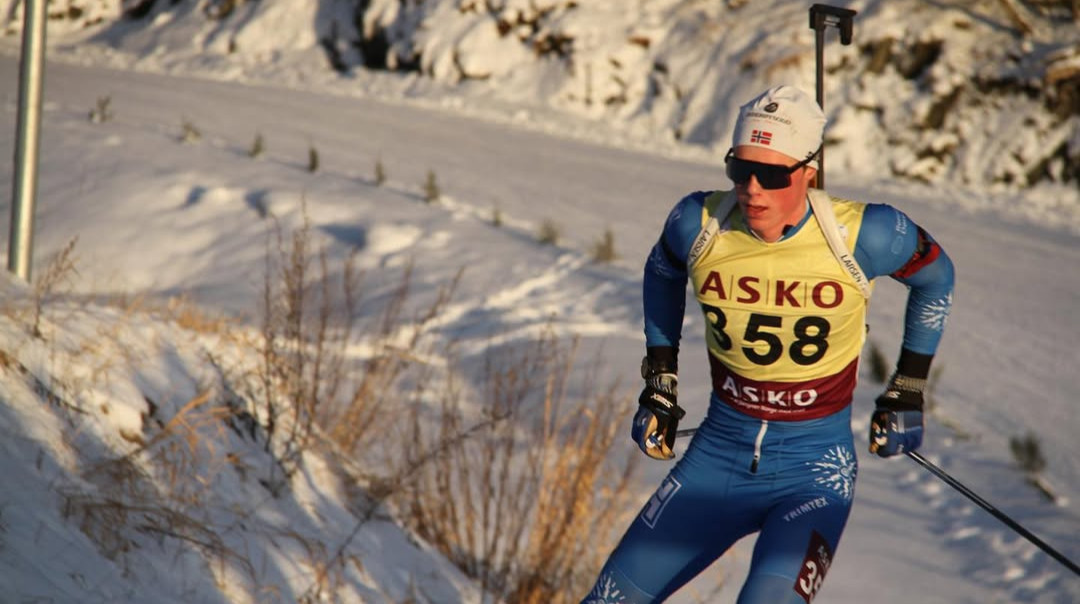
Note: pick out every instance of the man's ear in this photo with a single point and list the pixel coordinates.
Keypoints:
(810, 174)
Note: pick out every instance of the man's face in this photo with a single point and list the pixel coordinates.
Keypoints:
(768, 211)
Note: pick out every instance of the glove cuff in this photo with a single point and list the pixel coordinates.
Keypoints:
(660, 359)
(914, 364)
(904, 393)
(905, 383)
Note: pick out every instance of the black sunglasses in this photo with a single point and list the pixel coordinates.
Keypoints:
(769, 176)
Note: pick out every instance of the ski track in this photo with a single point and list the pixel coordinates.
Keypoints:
(1017, 567)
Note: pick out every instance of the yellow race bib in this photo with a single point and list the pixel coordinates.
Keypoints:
(784, 322)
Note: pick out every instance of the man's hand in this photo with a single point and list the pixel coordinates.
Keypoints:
(658, 415)
(897, 423)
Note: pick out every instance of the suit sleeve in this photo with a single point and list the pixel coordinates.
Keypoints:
(892, 244)
(666, 273)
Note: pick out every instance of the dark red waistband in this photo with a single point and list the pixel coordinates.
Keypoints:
(785, 401)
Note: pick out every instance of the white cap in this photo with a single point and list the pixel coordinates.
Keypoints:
(783, 119)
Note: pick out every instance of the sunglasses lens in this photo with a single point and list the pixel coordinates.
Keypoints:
(738, 171)
(769, 176)
(774, 177)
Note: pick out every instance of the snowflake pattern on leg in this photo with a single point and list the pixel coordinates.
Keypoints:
(605, 591)
(936, 314)
(836, 471)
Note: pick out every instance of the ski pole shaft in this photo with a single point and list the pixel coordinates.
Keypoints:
(952, 482)
(686, 432)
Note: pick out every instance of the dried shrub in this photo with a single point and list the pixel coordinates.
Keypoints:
(1027, 451)
(549, 233)
(507, 495)
(603, 251)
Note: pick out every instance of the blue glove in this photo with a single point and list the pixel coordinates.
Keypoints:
(658, 415)
(897, 423)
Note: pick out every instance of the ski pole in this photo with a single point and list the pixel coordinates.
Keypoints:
(952, 482)
(821, 17)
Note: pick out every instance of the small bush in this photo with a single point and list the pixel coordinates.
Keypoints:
(188, 132)
(313, 159)
(103, 111)
(380, 172)
(1028, 453)
(508, 493)
(880, 367)
(549, 232)
(496, 217)
(431, 188)
(258, 146)
(604, 250)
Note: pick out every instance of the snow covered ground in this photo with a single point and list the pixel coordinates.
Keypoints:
(158, 218)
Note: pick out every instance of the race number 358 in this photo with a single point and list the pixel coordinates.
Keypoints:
(815, 565)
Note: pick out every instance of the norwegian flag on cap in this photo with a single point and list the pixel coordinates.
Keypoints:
(761, 137)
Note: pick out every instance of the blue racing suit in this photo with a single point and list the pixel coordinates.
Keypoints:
(787, 473)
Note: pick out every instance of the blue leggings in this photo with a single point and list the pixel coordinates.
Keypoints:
(797, 496)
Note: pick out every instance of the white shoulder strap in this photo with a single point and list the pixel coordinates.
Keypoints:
(718, 216)
(823, 210)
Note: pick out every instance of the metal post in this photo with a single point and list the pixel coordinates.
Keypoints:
(31, 80)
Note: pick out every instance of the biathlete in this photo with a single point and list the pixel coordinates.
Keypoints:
(785, 321)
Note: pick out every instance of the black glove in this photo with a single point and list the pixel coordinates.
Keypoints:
(897, 423)
(658, 415)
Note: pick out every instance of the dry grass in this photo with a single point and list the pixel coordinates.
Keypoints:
(526, 501)
(603, 250)
(305, 329)
(549, 233)
(380, 172)
(189, 133)
(180, 310)
(102, 111)
(258, 146)
(60, 270)
(504, 472)
(192, 317)
(130, 503)
(431, 188)
(880, 365)
(1027, 451)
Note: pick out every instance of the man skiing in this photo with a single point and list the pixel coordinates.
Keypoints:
(782, 273)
